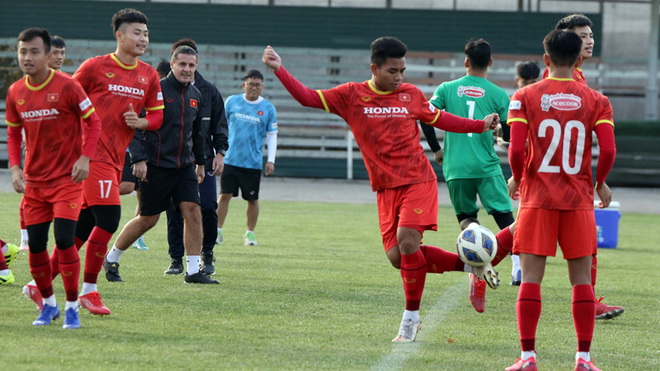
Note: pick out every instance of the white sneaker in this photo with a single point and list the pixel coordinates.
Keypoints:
(488, 274)
(250, 239)
(408, 331)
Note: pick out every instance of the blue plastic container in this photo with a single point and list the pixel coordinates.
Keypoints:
(607, 225)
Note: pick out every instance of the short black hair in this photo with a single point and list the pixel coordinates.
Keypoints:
(163, 68)
(34, 32)
(187, 42)
(570, 22)
(253, 74)
(128, 15)
(184, 49)
(478, 52)
(57, 42)
(528, 70)
(563, 47)
(387, 47)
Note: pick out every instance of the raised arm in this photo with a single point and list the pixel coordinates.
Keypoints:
(304, 95)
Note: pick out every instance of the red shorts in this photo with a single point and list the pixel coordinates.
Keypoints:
(41, 205)
(102, 185)
(539, 230)
(411, 206)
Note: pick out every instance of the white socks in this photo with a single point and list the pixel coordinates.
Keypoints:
(71, 304)
(88, 288)
(192, 264)
(50, 301)
(412, 315)
(24, 235)
(583, 355)
(525, 355)
(114, 255)
(515, 264)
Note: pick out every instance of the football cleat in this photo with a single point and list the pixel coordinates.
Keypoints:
(477, 293)
(176, 267)
(93, 303)
(8, 279)
(111, 271)
(219, 240)
(582, 365)
(140, 245)
(199, 277)
(488, 274)
(32, 292)
(24, 245)
(208, 264)
(47, 315)
(408, 331)
(528, 364)
(71, 319)
(250, 239)
(604, 311)
(10, 256)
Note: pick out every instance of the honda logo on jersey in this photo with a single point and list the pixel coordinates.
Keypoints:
(383, 110)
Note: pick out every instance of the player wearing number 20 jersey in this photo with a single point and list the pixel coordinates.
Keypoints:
(560, 115)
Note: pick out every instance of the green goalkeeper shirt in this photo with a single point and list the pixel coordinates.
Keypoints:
(471, 155)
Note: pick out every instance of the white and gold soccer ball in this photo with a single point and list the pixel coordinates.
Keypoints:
(476, 245)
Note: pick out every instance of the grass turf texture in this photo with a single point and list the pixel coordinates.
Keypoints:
(318, 293)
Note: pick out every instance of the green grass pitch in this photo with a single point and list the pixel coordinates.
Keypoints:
(318, 293)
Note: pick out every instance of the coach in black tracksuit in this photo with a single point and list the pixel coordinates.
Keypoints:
(175, 157)
(214, 127)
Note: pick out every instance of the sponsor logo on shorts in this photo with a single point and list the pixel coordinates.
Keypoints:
(73, 206)
(560, 102)
(418, 211)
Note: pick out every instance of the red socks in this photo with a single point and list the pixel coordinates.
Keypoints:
(97, 247)
(440, 261)
(584, 312)
(41, 272)
(54, 257)
(504, 245)
(413, 273)
(528, 310)
(69, 264)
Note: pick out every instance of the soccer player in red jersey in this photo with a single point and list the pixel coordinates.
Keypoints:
(120, 86)
(581, 25)
(48, 106)
(553, 178)
(382, 113)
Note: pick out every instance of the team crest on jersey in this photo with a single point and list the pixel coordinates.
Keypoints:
(142, 79)
(365, 98)
(560, 102)
(260, 113)
(20, 102)
(52, 97)
(109, 75)
(404, 97)
(193, 103)
(471, 91)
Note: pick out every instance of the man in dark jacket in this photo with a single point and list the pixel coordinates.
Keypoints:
(214, 127)
(168, 173)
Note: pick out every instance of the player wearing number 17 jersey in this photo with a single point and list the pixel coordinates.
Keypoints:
(382, 113)
(120, 86)
(557, 116)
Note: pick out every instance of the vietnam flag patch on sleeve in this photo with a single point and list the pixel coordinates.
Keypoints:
(193, 103)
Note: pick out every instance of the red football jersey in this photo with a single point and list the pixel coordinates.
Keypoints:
(561, 115)
(578, 75)
(50, 115)
(112, 85)
(384, 125)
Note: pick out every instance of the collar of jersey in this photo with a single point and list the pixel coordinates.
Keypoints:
(122, 65)
(381, 92)
(39, 87)
(257, 101)
(560, 79)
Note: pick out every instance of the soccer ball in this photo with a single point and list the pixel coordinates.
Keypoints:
(476, 245)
